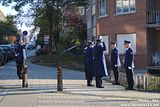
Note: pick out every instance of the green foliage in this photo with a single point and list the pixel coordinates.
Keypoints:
(75, 34)
(68, 39)
(67, 61)
(40, 41)
(8, 28)
(59, 58)
(47, 15)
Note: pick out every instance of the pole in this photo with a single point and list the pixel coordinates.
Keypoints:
(59, 79)
(25, 77)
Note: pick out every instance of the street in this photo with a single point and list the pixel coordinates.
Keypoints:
(42, 90)
(87, 38)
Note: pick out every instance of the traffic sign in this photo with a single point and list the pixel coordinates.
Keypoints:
(25, 33)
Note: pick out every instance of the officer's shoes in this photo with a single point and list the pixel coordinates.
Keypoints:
(90, 85)
(129, 88)
(20, 78)
(115, 84)
(99, 86)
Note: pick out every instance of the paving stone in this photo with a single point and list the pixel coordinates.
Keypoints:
(42, 90)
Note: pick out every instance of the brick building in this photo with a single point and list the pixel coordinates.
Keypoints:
(91, 19)
(10, 39)
(134, 20)
(4, 39)
(73, 15)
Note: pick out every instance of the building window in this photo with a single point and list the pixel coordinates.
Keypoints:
(81, 10)
(89, 20)
(102, 7)
(129, 37)
(125, 6)
(93, 20)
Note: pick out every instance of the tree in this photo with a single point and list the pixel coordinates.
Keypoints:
(8, 27)
(48, 13)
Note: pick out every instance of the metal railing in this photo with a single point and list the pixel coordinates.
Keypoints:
(153, 17)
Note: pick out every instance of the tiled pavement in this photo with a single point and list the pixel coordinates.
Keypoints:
(42, 91)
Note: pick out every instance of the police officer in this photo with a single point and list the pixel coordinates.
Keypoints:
(88, 62)
(115, 62)
(19, 57)
(98, 62)
(129, 64)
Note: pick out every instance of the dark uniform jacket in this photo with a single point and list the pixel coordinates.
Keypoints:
(88, 62)
(128, 58)
(114, 56)
(19, 52)
(98, 60)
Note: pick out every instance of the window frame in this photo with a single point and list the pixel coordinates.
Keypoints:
(130, 11)
(126, 36)
(105, 8)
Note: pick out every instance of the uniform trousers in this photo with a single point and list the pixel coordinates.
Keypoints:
(98, 81)
(130, 80)
(89, 80)
(19, 68)
(115, 72)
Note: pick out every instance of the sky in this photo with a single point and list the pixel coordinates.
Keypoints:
(7, 10)
(10, 11)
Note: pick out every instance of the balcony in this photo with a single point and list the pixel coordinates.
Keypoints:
(153, 18)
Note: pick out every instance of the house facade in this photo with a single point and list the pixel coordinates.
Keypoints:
(10, 39)
(2, 17)
(6, 39)
(91, 20)
(135, 20)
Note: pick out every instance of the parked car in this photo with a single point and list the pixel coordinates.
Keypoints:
(45, 50)
(4, 54)
(2, 59)
(9, 51)
(38, 51)
(74, 50)
(41, 51)
(30, 47)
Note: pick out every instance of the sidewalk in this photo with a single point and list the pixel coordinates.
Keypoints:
(42, 91)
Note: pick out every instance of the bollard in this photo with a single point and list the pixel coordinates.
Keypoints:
(59, 79)
(25, 77)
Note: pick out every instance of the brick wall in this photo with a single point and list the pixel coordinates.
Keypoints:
(123, 24)
(10, 39)
(157, 40)
(156, 4)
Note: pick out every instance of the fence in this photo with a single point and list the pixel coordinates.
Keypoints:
(141, 81)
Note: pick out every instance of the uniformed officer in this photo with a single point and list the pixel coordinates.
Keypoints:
(129, 64)
(19, 57)
(98, 62)
(115, 62)
(88, 63)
